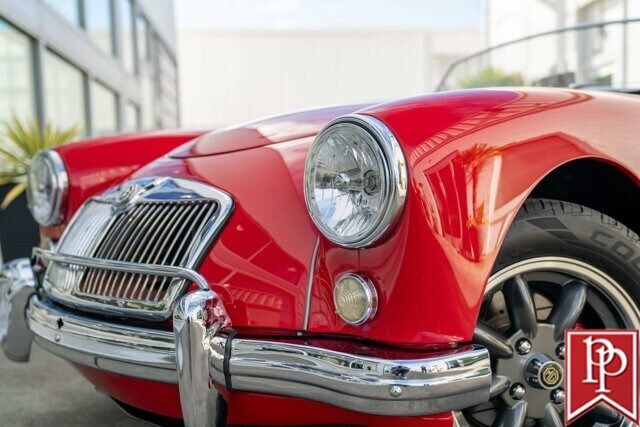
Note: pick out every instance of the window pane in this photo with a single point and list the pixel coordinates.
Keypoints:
(126, 23)
(99, 23)
(132, 118)
(68, 8)
(143, 39)
(64, 92)
(167, 82)
(148, 104)
(104, 118)
(16, 74)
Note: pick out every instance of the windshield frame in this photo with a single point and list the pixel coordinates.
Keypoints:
(585, 26)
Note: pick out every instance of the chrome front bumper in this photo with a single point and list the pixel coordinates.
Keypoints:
(203, 356)
(17, 284)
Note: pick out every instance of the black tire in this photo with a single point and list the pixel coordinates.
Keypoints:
(554, 249)
(545, 227)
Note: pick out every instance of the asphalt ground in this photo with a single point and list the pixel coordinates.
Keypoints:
(47, 391)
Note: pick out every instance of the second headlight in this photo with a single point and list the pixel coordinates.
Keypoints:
(355, 180)
(47, 188)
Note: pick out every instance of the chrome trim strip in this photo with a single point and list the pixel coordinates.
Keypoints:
(311, 272)
(124, 267)
(453, 380)
(126, 350)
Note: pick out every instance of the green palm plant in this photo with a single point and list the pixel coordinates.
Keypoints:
(20, 141)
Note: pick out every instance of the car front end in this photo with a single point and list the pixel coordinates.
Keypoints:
(205, 277)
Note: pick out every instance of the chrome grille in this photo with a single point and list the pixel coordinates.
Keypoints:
(147, 234)
(80, 239)
(166, 222)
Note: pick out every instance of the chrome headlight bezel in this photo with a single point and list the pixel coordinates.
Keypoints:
(395, 174)
(59, 192)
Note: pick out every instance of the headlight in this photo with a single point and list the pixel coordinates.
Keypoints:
(47, 188)
(355, 181)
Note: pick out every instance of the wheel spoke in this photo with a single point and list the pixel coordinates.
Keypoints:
(552, 417)
(522, 310)
(499, 384)
(601, 413)
(512, 417)
(567, 310)
(495, 343)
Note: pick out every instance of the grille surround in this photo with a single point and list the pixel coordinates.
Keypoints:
(99, 230)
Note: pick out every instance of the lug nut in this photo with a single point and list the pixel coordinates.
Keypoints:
(560, 351)
(517, 391)
(523, 346)
(557, 396)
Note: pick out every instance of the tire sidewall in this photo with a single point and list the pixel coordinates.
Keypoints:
(553, 228)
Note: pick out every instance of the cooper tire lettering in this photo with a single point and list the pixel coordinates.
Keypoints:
(600, 241)
(622, 250)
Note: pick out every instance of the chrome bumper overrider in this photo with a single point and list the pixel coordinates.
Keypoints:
(17, 284)
(203, 356)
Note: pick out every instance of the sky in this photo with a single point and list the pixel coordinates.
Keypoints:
(328, 14)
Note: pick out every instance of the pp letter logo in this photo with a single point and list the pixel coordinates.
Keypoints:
(602, 367)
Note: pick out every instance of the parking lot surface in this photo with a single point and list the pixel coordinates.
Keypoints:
(48, 392)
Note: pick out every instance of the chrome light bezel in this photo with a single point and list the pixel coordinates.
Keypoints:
(395, 172)
(60, 183)
(370, 292)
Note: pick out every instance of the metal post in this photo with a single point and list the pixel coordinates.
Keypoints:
(39, 51)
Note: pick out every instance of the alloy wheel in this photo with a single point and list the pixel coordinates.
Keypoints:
(526, 309)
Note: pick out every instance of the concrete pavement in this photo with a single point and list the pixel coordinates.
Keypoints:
(49, 392)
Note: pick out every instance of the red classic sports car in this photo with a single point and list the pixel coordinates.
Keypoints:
(409, 263)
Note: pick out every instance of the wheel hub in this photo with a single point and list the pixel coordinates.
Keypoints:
(538, 371)
(542, 372)
(527, 308)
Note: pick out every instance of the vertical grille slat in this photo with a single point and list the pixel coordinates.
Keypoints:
(147, 245)
(149, 233)
(159, 282)
(79, 240)
(134, 232)
(127, 278)
(180, 252)
(112, 237)
(145, 215)
(139, 227)
(168, 222)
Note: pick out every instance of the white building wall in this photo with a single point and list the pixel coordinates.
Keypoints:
(234, 76)
(591, 54)
(512, 19)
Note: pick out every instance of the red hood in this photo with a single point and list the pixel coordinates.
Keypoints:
(263, 132)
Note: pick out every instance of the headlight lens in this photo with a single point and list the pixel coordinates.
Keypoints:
(47, 188)
(355, 180)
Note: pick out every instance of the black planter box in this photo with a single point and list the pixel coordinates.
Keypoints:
(18, 230)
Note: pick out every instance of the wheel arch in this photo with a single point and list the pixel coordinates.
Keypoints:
(600, 184)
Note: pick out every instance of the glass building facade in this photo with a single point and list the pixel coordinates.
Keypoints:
(106, 66)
